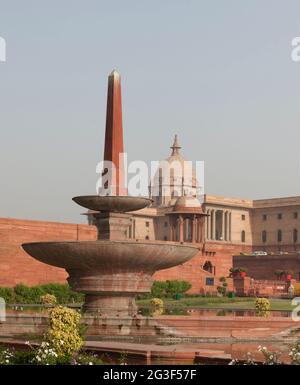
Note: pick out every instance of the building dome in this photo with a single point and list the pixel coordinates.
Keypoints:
(187, 204)
(179, 180)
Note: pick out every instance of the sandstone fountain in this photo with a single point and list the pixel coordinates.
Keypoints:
(112, 270)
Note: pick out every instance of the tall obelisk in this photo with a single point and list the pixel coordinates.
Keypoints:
(113, 147)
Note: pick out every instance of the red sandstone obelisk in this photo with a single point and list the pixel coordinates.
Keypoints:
(113, 147)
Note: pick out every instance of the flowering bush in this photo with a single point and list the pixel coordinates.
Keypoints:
(5, 356)
(295, 354)
(157, 306)
(45, 355)
(262, 307)
(270, 358)
(48, 299)
(63, 334)
(248, 360)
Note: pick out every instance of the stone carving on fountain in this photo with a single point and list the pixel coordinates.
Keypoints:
(114, 269)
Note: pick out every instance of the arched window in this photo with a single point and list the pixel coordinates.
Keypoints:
(208, 266)
(243, 236)
(264, 236)
(279, 236)
(295, 235)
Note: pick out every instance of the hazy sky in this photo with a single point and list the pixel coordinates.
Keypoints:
(217, 73)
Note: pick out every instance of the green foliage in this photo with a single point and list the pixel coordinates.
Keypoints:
(23, 358)
(223, 288)
(63, 334)
(7, 293)
(162, 289)
(238, 270)
(32, 295)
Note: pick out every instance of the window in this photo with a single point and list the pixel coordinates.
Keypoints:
(279, 236)
(243, 236)
(208, 266)
(165, 238)
(209, 281)
(295, 215)
(147, 224)
(264, 217)
(264, 236)
(147, 237)
(295, 235)
(166, 224)
(243, 217)
(279, 216)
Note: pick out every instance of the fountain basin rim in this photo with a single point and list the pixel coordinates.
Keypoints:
(111, 255)
(131, 241)
(112, 203)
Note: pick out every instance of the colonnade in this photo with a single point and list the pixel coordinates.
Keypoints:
(187, 228)
(218, 225)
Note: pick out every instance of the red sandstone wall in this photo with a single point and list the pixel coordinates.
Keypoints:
(18, 267)
(220, 256)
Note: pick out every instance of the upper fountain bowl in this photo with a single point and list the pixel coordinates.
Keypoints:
(111, 203)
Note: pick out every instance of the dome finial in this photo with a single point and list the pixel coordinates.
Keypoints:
(175, 148)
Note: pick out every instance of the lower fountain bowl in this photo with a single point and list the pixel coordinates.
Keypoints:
(111, 273)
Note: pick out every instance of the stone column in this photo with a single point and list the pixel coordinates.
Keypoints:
(213, 224)
(200, 228)
(223, 226)
(227, 227)
(181, 224)
(171, 230)
(194, 224)
(207, 220)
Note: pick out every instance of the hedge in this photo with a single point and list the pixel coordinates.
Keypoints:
(31, 295)
(23, 294)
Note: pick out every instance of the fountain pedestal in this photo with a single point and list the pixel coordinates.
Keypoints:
(114, 226)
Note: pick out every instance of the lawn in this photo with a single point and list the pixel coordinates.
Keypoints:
(219, 303)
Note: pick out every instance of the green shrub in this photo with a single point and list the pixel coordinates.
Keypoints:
(32, 295)
(158, 289)
(162, 289)
(7, 294)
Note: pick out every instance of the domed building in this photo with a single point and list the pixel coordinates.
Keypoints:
(175, 177)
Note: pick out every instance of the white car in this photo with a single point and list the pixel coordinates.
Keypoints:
(259, 253)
